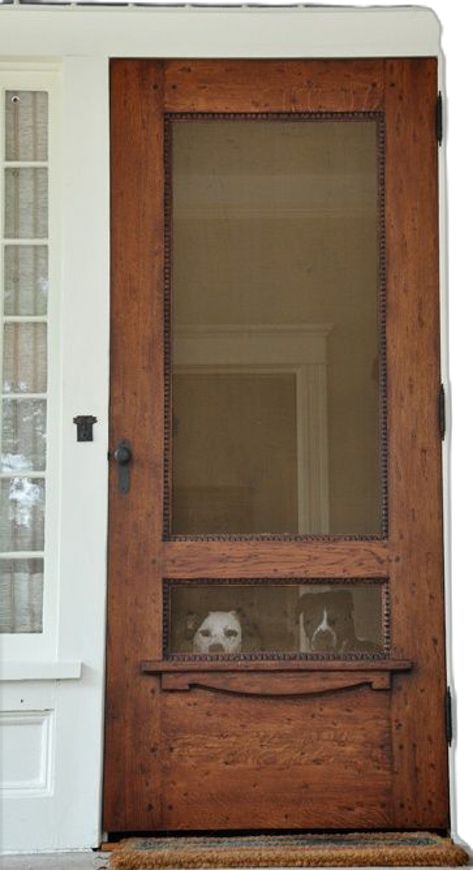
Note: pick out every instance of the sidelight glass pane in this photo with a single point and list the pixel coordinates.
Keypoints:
(277, 376)
(22, 514)
(21, 596)
(26, 203)
(320, 619)
(26, 125)
(23, 436)
(26, 279)
(25, 358)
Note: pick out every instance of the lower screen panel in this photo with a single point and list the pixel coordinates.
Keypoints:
(288, 618)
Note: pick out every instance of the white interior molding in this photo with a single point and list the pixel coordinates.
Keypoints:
(297, 349)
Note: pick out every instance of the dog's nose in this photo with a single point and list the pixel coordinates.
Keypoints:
(216, 648)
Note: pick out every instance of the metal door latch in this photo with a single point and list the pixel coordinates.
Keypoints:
(123, 456)
(85, 423)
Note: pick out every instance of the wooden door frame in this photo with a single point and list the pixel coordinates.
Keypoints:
(412, 335)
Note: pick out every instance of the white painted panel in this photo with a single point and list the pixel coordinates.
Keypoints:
(26, 739)
(69, 815)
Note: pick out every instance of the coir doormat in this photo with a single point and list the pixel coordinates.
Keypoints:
(291, 850)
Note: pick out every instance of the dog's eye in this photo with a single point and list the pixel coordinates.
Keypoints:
(230, 632)
(332, 621)
(205, 632)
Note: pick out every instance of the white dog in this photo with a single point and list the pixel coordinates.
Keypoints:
(220, 632)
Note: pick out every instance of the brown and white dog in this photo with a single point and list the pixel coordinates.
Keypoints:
(329, 625)
(219, 632)
(226, 632)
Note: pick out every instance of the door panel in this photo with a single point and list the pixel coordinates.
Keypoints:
(211, 775)
(276, 732)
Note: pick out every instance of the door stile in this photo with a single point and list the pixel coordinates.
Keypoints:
(137, 408)
(415, 500)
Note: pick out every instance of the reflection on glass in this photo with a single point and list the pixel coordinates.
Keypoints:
(26, 203)
(22, 514)
(26, 125)
(26, 279)
(21, 596)
(25, 358)
(231, 618)
(275, 392)
(23, 436)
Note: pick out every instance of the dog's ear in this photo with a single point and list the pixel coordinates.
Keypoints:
(342, 599)
(191, 623)
(241, 615)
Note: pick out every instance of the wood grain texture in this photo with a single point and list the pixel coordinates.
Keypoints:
(270, 683)
(254, 763)
(273, 86)
(134, 597)
(162, 666)
(415, 501)
(275, 559)
(200, 758)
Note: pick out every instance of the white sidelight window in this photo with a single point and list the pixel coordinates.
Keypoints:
(29, 387)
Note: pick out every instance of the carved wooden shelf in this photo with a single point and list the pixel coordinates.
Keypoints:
(264, 677)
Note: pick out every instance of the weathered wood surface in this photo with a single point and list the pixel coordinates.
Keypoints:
(273, 683)
(273, 85)
(321, 762)
(161, 666)
(415, 497)
(132, 768)
(201, 758)
(275, 559)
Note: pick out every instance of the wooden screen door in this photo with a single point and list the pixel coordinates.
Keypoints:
(276, 648)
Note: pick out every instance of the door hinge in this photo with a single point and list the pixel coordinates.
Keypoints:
(439, 118)
(442, 412)
(449, 716)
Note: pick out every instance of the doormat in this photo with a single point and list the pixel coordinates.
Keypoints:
(290, 850)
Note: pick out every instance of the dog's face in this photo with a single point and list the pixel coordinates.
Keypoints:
(220, 632)
(328, 619)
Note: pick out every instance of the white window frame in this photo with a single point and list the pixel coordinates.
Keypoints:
(24, 647)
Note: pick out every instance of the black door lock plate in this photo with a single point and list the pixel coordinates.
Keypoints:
(84, 425)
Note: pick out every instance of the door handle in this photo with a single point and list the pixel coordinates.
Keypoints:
(123, 456)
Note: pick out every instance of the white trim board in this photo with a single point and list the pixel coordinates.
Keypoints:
(45, 32)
